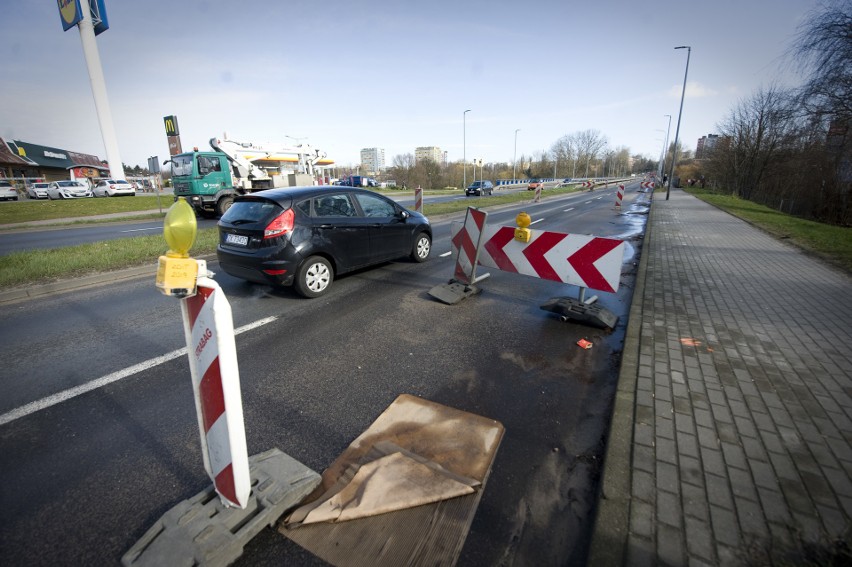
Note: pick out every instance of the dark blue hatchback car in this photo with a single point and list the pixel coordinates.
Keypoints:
(304, 236)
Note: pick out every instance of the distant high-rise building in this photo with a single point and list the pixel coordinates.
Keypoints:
(428, 152)
(705, 145)
(373, 160)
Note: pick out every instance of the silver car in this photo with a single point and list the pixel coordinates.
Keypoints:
(113, 188)
(69, 189)
(37, 191)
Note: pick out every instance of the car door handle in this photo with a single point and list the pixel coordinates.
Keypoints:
(326, 226)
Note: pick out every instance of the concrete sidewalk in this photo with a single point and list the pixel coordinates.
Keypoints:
(731, 440)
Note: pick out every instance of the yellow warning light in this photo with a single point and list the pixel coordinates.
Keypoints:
(522, 233)
(176, 271)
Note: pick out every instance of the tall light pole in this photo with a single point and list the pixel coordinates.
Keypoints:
(464, 147)
(515, 155)
(665, 146)
(677, 130)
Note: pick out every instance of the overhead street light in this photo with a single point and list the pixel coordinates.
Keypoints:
(677, 130)
(464, 147)
(515, 155)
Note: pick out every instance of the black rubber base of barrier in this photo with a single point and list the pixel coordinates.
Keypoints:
(574, 310)
(202, 531)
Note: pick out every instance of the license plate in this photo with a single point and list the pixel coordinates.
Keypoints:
(236, 239)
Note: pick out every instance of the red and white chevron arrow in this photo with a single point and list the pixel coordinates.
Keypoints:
(619, 195)
(647, 185)
(582, 260)
(209, 329)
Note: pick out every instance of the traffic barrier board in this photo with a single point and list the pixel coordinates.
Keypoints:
(468, 243)
(582, 260)
(620, 195)
(209, 330)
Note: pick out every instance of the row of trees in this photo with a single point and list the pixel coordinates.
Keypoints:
(789, 148)
(581, 154)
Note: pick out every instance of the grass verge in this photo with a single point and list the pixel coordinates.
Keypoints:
(42, 266)
(28, 211)
(831, 243)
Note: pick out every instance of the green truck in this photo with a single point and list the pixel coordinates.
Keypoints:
(210, 180)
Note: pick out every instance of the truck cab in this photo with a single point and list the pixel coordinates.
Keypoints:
(204, 179)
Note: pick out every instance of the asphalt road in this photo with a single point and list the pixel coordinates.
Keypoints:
(86, 475)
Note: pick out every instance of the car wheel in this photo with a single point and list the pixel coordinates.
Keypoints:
(314, 277)
(422, 247)
(223, 205)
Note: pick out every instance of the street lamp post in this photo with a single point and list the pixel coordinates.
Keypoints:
(515, 155)
(677, 130)
(665, 146)
(464, 147)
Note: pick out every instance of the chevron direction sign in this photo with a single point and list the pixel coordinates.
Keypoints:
(577, 259)
(647, 185)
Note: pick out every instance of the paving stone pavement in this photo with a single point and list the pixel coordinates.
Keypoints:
(731, 441)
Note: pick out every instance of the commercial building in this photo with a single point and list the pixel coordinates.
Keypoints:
(433, 153)
(27, 161)
(373, 160)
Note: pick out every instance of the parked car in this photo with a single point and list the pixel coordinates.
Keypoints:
(535, 184)
(8, 191)
(305, 236)
(479, 188)
(113, 188)
(68, 189)
(37, 190)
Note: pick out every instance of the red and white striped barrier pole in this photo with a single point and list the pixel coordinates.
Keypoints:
(418, 199)
(209, 329)
(619, 195)
(468, 242)
(537, 194)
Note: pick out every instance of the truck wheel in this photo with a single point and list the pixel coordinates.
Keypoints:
(223, 205)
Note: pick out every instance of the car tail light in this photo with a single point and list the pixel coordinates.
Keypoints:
(282, 224)
(275, 272)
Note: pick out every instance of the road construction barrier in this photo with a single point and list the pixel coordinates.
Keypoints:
(619, 195)
(647, 185)
(537, 194)
(468, 242)
(577, 259)
(209, 330)
(418, 199)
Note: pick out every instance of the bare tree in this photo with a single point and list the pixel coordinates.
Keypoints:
(756, 131)
(823, 51)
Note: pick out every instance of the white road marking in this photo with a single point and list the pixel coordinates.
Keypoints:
(445, 254)
(66, 395)
(143, 229)
(536, 221)
(568, 210)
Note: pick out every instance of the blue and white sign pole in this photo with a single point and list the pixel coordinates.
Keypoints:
(80, 12)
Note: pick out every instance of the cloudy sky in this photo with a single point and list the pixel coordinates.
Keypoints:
(347, 74)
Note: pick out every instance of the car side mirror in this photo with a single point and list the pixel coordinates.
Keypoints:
(404, 214)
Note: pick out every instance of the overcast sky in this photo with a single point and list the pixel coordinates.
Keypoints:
(346, 75)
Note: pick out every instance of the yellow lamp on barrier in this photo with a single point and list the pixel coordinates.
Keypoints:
(176, 271)
(522, 233)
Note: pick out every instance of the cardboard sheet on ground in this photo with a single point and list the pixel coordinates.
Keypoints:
(404, 492)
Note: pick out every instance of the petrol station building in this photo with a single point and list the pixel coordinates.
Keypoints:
(25, 161)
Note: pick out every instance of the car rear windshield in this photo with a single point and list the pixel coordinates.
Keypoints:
(255, 211)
